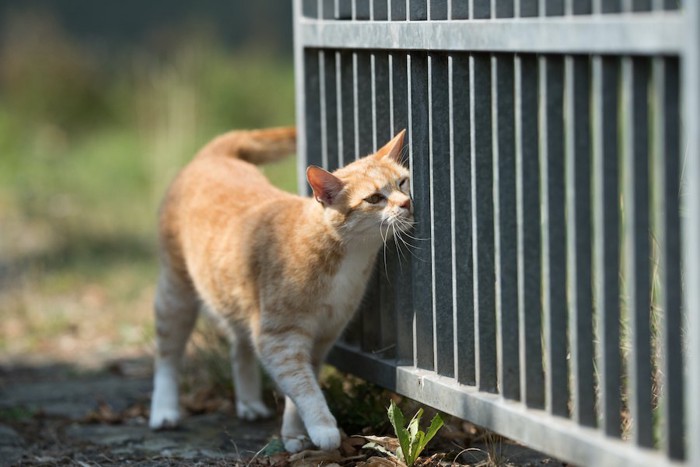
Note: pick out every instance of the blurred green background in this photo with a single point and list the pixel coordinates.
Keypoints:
(100, 104)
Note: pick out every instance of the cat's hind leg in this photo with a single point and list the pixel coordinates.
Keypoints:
(247, 378)
(176, 308)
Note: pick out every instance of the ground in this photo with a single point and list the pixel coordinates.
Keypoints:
(62, 414)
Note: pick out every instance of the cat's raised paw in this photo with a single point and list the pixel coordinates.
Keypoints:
(325, 437)
(164, 419)
(297, 443)
(254, 410)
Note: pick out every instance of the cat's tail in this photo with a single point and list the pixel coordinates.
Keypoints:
(255, 146)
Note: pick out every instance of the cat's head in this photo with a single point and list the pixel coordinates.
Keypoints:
(369, 197)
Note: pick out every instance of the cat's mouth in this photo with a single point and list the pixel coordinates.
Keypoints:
(398, 228)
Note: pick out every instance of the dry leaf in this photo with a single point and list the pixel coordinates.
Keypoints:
(376, 461)
(351, 445)
(387, 442)
(311, 458)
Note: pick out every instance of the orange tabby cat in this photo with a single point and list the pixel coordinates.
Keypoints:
(281, 274)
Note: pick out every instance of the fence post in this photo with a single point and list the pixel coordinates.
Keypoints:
(691, 99)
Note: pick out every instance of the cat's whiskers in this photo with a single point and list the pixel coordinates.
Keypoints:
(399, 254)
(406, 225)
(385, 238)
(403, 226)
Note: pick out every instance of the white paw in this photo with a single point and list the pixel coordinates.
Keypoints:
(163, 419)
(326, 438)
(253, 410)
(297, 443)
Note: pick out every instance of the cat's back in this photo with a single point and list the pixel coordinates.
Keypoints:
(215, 193)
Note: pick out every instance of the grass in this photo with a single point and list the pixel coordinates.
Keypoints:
(87, 148)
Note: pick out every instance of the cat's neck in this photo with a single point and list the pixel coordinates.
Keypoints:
(335, 226)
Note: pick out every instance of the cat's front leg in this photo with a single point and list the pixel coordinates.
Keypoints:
(294, 435)
(287, 359)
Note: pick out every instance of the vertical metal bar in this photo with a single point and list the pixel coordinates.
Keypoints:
(505, 228)
(300, 97)
(363, 84)
(348, 148)
(381, 97)
(329, 102)
(419, 130)
(553, 233)
(691, 226)
(355, 105)
(440, 209)
(461, 191)
(578, 236)
(364, 131)
(568, 7)
(666, 171)
(388, 262)
(312, 106)
(440, 240)
(482, 221)
(322, 106)
(528, 208)
(635, 75)
(400, 109)
(422, 267)
(373, 103)
(339, 107)
(347, 108)
(606, 240)
(350, 114)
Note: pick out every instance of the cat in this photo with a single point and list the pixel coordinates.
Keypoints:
(282, 274)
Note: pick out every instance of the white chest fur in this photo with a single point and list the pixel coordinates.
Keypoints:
(349, 283)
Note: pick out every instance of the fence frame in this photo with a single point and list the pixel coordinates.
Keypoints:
(317, 27)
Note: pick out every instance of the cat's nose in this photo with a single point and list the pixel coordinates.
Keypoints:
(406, 204)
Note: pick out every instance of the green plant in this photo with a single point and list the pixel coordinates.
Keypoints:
(412, 440)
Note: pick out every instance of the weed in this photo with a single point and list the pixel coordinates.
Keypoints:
(411, 439)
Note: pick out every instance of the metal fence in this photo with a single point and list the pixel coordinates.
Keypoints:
(555, 163)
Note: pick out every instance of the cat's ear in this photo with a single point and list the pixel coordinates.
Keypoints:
(393, 148)
(326, 186)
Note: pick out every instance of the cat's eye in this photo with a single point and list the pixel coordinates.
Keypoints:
(375, 198)
(403, 182)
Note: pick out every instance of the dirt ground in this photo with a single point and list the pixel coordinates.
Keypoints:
(60, 414)
(57, 414)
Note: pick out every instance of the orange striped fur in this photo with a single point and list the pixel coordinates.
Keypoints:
(282, 274)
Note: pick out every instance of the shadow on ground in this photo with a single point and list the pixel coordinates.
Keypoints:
(59, 414)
